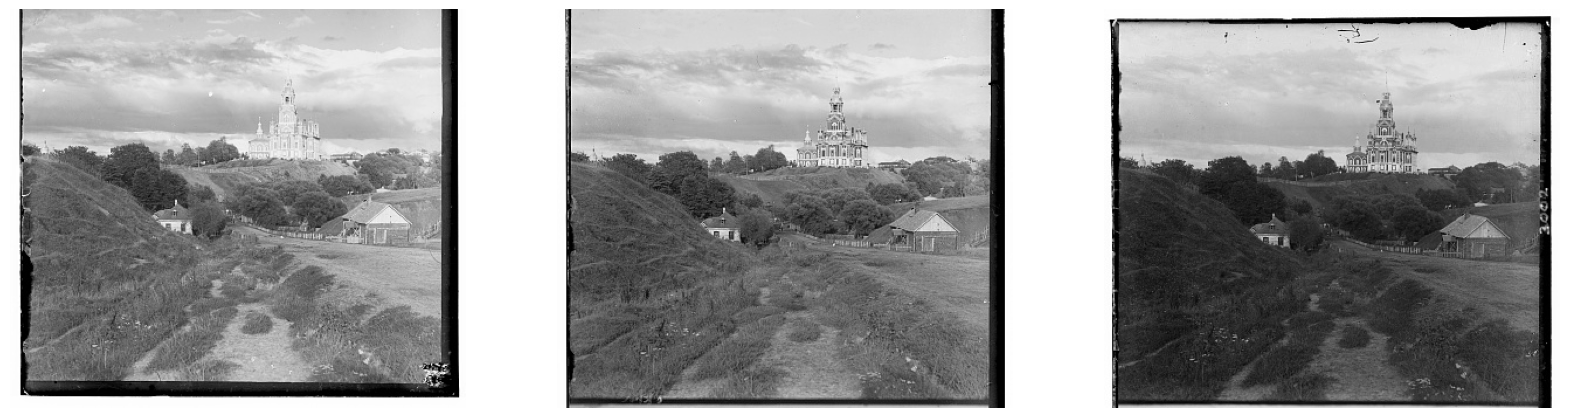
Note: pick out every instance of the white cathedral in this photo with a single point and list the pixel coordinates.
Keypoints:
(289, 137)
(838, 146)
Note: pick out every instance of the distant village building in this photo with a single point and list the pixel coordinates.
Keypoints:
(837, 146)
(894, 166)
(177, 218)
(349, 158)
(1388, 151)
(1275, 232)
(289, 137)
(373, 222)
(1446, 172)
(924, 231)
(725, 226)
(1472, 236)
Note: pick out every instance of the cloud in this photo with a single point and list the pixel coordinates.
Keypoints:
(56, 24)
(878, 46)
(245, 16)
(330, 38)
(742, 99)
(299, 21)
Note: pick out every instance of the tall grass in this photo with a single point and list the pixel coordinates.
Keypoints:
(740, 350)
(1306, 331)
(191, 345)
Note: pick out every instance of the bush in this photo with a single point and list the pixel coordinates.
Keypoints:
(257, 323)
(1353, 336)
(805, 332)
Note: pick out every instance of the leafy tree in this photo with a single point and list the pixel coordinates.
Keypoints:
(1357, 217)
(409, 181)
(208, 220)
(200, 193)
(126, 162)
(717, 165)
(752, 201)
(1440, 199)
(339, 186)
(1413, 222)
(757, 228)
(1266, 170)
(1252, 202)
(631, 166)
(84, 159)
(768, 159)
(1222, 173)
(382, 169)
(169, 157)
(1387, 205)
(188, 156)
(577, 157)
(262, 206)
(1478, 181)
(863, 216)
(889, 193)
(811, 213)
(1317, 164)
(29, 149)
(933, 175)
(1306, 234)
(837, 198)
(704, 196)
(736, 165)
(673, 169)
(290, 191)
(219, 151)
(1285, 170)
(1124, 162)
(318, 208)
(201, 156)
(1177, 170)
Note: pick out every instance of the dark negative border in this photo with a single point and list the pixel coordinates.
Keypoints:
(1545, 291)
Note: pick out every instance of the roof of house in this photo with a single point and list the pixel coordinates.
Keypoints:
(333, 227)
(724, 220)
(1275, 226)
(1469, 225)
(882, 235)
(1431, 241)
(176, 213)
(913, 219)
(367, 210)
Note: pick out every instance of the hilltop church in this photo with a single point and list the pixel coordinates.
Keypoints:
(289, 137)
(838, 146)
(1388, 151)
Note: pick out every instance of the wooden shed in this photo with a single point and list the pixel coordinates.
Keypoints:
(924, 231)
(1472, 236)
(373, 222)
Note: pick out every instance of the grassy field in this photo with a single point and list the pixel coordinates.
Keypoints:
(223, 178)
(379, 275)
(772, 185)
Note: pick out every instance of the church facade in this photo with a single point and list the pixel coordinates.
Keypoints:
(837, 146)
(289, 137)
(1388, 150)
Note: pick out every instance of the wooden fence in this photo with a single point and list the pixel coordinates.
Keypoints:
(1394, 248)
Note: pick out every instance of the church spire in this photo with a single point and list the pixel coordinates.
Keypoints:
(258, 125)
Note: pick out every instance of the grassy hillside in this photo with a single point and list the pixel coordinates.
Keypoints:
(422, 206)
(224, 177)
(773, 184)
(1188, 273)
(1519, 220)
(107, 281)
(1360, 184)
(972, 215)
(639, 270)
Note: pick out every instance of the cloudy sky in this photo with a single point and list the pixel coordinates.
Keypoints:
(1198, 92)
(712, 82)
(103, 78)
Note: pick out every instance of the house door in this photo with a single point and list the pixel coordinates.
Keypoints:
(381, 236)
(927, 243)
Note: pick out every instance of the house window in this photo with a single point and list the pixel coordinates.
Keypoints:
(1266, 239)
(730, 235)
(716, 233)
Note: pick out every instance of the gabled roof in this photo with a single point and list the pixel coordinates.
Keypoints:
(913, 219)
(367, 210)
(176, 213)
(882, 235)
(1431, 241)
(724, 220)
(1275, 226)
(1469, 225)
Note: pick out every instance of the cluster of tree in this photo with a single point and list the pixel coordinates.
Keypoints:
(631, 166)
(1390, 216)
(1231, 181)
(288, 202)
(944, 177)
(890, 193)
(842, 210)
(577, 157)
(1306, 234)
(383, 169)
(84, 159)
(340, 186)
(684, 176)
(1498, 183)
(764, 160)
(757, 227)
(1315, 165)
(215, 152)
(29, 149)
(1441, 199)
(135, 168)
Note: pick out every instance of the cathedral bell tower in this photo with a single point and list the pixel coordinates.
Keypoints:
(836, 112)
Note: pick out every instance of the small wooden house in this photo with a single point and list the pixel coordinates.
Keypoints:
(373, 222)
(924, 231)
(1473, 236)
(725, 226)
(1275, 232)
(177, 218)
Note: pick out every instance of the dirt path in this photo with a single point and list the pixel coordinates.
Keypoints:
(1236, 392)
(812, 369)
(1361, 374)
(262, 357)
(391, 275)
